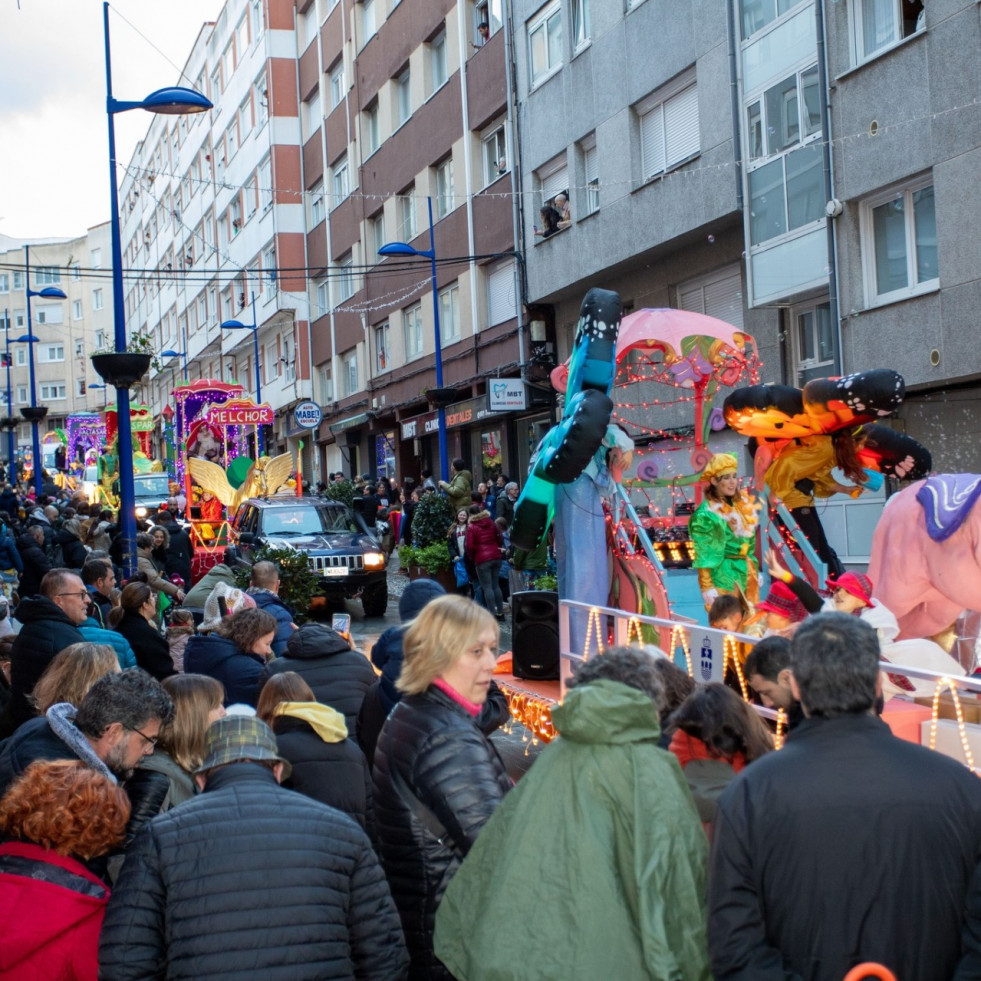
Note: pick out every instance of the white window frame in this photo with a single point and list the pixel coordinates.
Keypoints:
(904, 193)
(439, 73)
(325, 384)
(255, 19)
(97, 299)
(381, 342)
(815, 367)
(46, 275)
(372, 129)
(758, 108)
(669, 128)
(77, 310)
(318, 210)
(22, 394)
(403, 97)
(856, 29)
(552, 178)
(590, 173)
(345, 281)
(311, 115)
(408, 220)
(368, 21)
(51, 391)
(491, 11)
(5, 281)
(376, 226)
(50, 313)
(548, 21)
(445, 192)
(449, 313)
(580, 34)
(412, 332)
(265, 184)
(502, 303)
(322, 295)
(494, 151)
(349, 371)
(50, 353)
(340, 181)
(338, 88)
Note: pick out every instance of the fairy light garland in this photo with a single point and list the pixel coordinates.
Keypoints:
(946, 683)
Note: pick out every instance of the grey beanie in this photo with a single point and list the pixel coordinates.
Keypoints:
(417, 594)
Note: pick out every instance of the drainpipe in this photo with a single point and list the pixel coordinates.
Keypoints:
(737, 143)
(520, 281)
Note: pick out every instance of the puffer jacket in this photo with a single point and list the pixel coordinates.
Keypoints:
(251, 881)
(444, 759)
(484, 540)
(35, 562)
(338, 676)
(219, 658)
(266, 599)
(151, 648)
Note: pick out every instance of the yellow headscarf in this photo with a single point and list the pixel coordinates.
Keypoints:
(720, 463)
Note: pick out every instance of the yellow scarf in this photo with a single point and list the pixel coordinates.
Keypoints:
(326, 722)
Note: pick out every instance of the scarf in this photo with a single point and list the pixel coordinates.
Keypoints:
(471, 707)
(61, 719)
(325, 721)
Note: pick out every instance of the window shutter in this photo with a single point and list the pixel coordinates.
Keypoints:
(718, 295)
(554, 182)
(501, 301)
(681, 125)
(652, 141)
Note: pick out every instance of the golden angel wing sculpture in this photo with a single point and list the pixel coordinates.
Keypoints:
(212, 478)
(270, 473)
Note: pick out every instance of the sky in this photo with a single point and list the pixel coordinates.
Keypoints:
(54, 163)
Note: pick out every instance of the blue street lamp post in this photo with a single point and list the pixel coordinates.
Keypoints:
(254, 327)
(10, 424)
(177, 354)
(168, 102)
(50, 293)
(403, 248)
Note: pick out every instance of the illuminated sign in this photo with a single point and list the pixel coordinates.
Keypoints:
(506, 394)
(241, 412)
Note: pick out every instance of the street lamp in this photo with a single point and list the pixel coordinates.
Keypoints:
(167, 102)
(403, 248)
(10, 424)
(177, 354)
(35, 414)
(105, 392)
(254, 327)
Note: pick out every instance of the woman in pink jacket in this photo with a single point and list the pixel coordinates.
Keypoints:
(484, 547)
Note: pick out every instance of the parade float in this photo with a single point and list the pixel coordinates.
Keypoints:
(150, 480)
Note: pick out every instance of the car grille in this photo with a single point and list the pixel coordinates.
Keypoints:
(321, 562)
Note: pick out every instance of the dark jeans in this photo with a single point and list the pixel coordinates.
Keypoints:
(488, 574)
(808, 521)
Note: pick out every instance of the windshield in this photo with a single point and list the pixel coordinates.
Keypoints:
(92, 474)
(307, 521)
(152, 485)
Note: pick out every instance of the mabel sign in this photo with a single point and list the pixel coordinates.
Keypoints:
(241, 412)
(506, 394)
(308, 415)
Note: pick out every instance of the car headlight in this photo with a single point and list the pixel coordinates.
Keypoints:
(141, 512)
(374, 560)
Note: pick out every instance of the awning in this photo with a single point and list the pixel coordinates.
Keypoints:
(352, 422)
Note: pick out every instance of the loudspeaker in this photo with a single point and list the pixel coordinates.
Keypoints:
(535, 635)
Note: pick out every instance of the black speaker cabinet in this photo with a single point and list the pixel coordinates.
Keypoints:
(535, 635)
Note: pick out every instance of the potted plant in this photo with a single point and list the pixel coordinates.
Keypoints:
(429, 555)
(297, 581)
(124, 369)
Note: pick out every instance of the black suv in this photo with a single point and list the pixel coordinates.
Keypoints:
(336, 541)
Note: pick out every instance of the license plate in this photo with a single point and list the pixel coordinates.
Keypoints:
(335, 572)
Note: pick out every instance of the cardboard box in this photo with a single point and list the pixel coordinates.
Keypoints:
(905, 718)
(970, 706)
(949, 740)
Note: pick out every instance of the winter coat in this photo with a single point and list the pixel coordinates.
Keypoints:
(73, 551)
(46, 631)
(848, 845)
(219, 658)
(177, 642)
(266, 599)
(251, 882)
(201, 590)
(338, 676)
(9, 555)
(604, 824)
(95, 634)
(36, 564)
(9, 502)
(327, 765)
(459, 490)
(504, 508)
(53, 908)
(484, 540)
(180, 784)
(707, 774)
(446, 762)
(154, 580)
(152, 649)
(180, 552)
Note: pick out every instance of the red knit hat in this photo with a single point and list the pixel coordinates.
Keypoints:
(853, 582)
(782, 600)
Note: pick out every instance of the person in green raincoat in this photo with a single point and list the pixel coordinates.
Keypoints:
(594, 865)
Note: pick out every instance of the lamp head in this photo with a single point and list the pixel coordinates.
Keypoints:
(51, 293)
(400, 248)
(26, 339)
(173, 354)
(234, 325)
(176, 101)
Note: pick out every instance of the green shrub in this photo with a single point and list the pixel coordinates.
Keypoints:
(297, 581)
(434, 557)
(431, 520)
(342, 490)
(547, 582)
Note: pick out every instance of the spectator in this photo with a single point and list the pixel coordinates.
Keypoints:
(250, 860)
(504, 507)
(9, 501)
(70, 537)
(115, 726)
(483, 33)
(136, 619)
(30, 546)
(459, 487)
(203, 588)
(157, 581)
(71, 674)
(437, 779)
(819, 847)
(561, 202)
(179, 550)
(767, 672)
(326, 764)
(456, 540)
(55, 819)
(677, 684)
(180, 629)
(5, 644)
(603, 805)
(337, 675)
(716, 736)
(370, 506)
(726, 613)
(484, 548)
(264, 589)
(51, 621)
(428, 484)
(99, 579)
(234, 653)
(408, 511)
(550, 217)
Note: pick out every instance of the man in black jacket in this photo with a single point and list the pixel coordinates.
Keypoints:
(180, 551)
(264, 589)
(850, 844)
(249, 859)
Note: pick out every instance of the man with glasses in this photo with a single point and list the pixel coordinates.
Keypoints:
(114, 727)
(50, 624)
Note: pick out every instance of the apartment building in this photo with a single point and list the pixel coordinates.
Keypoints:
(213, 221)
(67, 331)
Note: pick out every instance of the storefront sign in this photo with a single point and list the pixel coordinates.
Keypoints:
(308, 415)
(241, 412)
(506, 395)
(460, 414)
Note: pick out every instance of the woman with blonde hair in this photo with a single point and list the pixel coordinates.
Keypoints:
(437, 778)
(327, 765)
(71, 673)
(56, 819)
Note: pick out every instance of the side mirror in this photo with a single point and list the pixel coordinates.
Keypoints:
(246, 537)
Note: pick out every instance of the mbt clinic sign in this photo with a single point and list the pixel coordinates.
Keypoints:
(308, 415)
(506, 395)
(241, 412)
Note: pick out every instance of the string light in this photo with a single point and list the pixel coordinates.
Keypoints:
(947, 683)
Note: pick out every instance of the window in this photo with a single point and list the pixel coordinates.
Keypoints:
(444, 188)
(899, 243)
(494, 151)
(668, 127)
(242, 38)
(76, 274)
(376, 226)
(46, 275)
(21, 358)
(76, 309)
(437, 60)
(787, 114)
(79, 349)
(52, 392)
(382, 357)
(249, 195)
(878, 24)
(4, 283)
(412, 328)
(244, 120)
(22, 394)
(488, 12)
(323, 298)
(345, 284)
(337, 86)
(317, 210)
(590, 172)
(449, 314)
(235, 215)
(50, 314)
(309, 26)
(368, 22)
(756, 14)
(404, 97)
(269, 270)
(80, 386)
(814, 346)
(216, 84)
(48, 353)
(339, 181)
(97, 299)
(371, 131)
(255, 15)
(261, 100)
(325, 384)
(407, 214)
(265, 185)
(502, 304)
(349, 370)
(553, 177)
(580, 23)
(545, 42)
(718, 294)
(311, 115)
(202, 306)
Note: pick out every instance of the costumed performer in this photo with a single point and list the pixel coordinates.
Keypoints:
(211, 515)
(723, 534)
